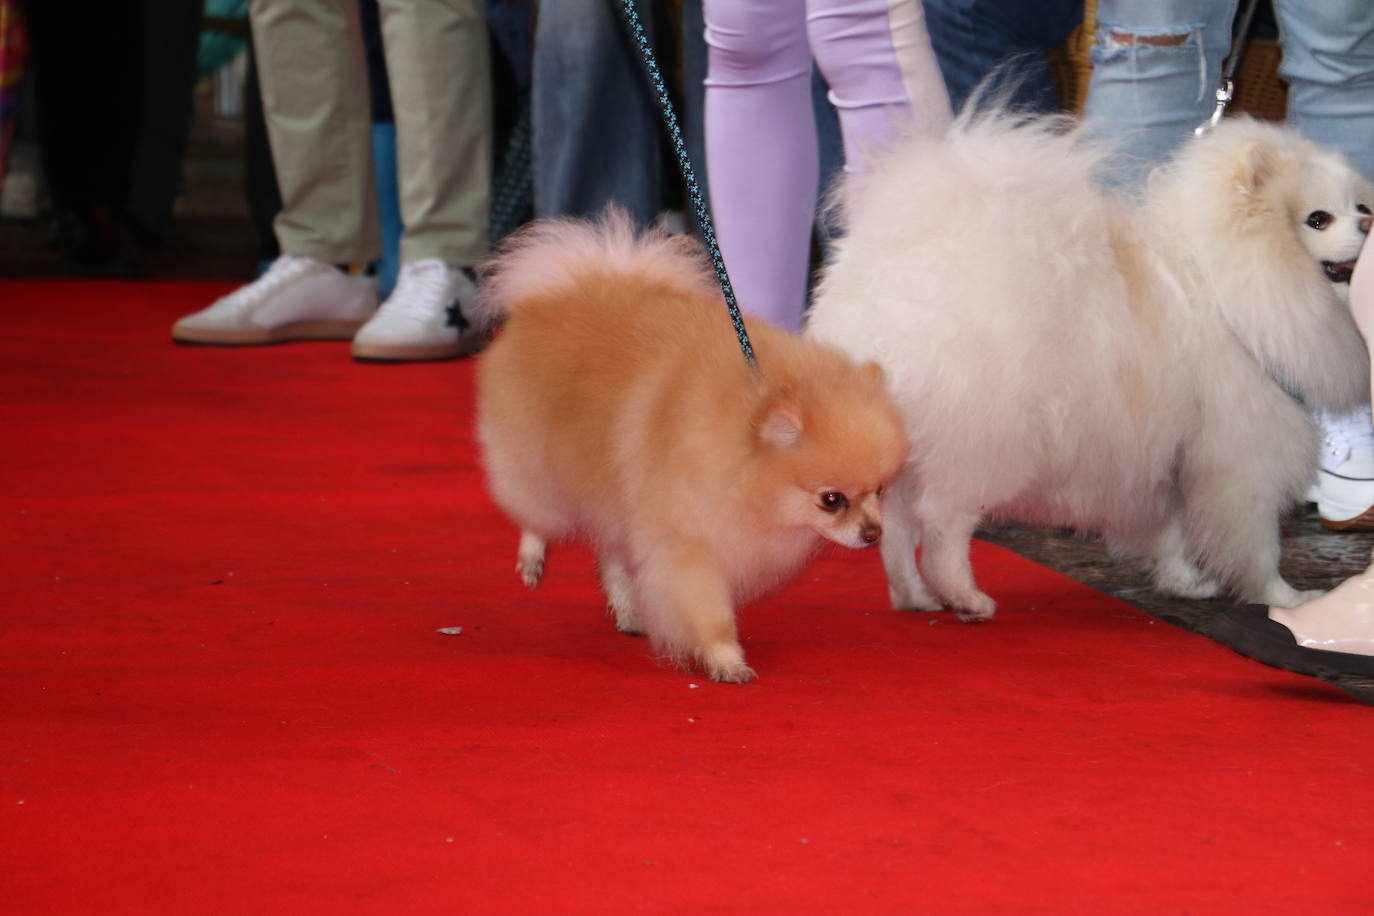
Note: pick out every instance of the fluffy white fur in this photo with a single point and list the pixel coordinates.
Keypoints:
(1067, 358)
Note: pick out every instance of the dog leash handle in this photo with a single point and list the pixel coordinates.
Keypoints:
(1225, 92)
(1226, 88)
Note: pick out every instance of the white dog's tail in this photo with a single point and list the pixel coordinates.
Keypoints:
(548, 254)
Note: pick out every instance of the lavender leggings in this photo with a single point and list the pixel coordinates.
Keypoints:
(761, 155)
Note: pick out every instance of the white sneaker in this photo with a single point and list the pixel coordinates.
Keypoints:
(297, 298)
(1344, 492)
(423, 317)
(21, 193)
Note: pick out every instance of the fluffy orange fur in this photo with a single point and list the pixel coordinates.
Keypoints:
(615, 406)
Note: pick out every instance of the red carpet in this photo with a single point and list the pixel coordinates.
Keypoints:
(223, 689)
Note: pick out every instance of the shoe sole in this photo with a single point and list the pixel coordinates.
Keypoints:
(1248, 631)
(1362, 522)
(391, 353)
(1345, 503)
(301, 330)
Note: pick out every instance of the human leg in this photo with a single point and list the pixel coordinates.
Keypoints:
(90, 192)
(1155, 69)
(974, 38)
(437, 61)
(1328, 62)
(883, 77)
(597, 138)
(314, 91)
(437, 56)
(319, 124)
(761, 151)
(173, 36)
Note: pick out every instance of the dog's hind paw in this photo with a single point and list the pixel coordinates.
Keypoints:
(530, 573)
(1203, 588)
(625, 620)
(734, 674)
(1184, 580)
(1281, 594)
(529, 561)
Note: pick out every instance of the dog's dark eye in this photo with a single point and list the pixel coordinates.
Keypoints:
(1362, 208)
(831, 501)
(1319, 219)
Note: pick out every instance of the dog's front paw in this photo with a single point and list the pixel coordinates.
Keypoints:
(726, 664)
(973, 607)
(906, 598)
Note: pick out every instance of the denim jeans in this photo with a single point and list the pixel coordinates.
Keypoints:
(598, 131)
(1156, 66)
(1328, 60)
(1002, 39)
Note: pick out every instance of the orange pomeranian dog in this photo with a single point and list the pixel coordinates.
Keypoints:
(616, 406)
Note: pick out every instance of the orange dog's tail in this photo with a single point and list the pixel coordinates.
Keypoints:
(547, 255)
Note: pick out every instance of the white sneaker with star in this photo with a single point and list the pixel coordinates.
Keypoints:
(423, 318)
(297, 298)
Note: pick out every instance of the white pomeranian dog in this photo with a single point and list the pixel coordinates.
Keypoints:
(1143, 370)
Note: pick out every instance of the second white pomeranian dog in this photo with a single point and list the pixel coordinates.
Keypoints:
(1063, 357)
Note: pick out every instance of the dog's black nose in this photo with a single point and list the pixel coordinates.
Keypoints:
(869, 534)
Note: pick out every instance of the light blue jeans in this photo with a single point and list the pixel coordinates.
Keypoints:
(1156, 66)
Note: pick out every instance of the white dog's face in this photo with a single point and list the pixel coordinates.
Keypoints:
(1333, 209)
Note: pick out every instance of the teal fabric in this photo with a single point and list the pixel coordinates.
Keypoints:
(218, 48)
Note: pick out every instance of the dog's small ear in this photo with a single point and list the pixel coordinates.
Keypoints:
(780, 425)
(1257, 166)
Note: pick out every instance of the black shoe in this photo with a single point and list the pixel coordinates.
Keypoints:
(1247, 629)
(92, 243)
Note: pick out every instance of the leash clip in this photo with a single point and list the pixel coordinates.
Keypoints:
(1225, 92)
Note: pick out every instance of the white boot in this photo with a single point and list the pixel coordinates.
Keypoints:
(423, 318)
(298, 298)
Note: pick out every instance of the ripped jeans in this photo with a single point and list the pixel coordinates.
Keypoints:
(1156, 66)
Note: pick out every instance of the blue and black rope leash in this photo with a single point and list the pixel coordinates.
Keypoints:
(708, 231)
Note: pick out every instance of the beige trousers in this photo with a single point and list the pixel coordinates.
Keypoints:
(315, 98)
